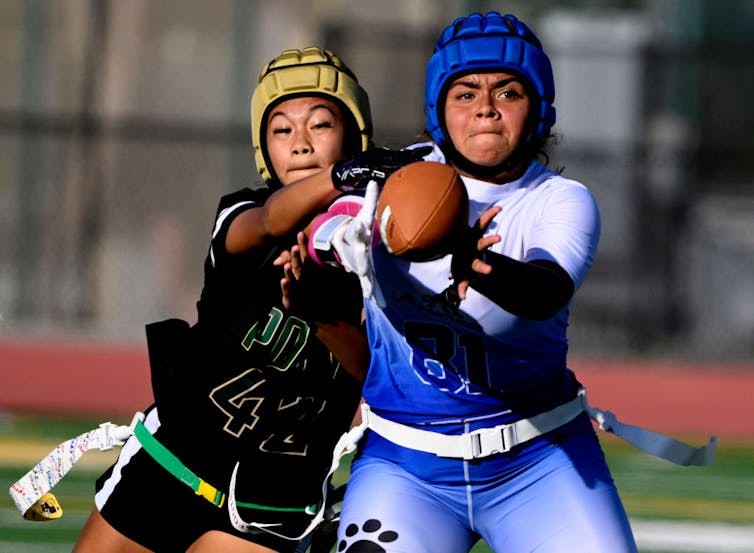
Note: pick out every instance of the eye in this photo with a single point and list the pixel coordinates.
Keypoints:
(464, 95)
(281, 130)
(324, 125)
(512, 93)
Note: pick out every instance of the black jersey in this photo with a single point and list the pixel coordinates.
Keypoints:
(250, 382)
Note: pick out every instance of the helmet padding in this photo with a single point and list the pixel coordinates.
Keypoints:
(491, 42)
(311, 71)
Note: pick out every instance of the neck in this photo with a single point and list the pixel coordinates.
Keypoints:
(497, 174)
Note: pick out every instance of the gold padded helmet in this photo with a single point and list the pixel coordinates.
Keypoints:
(312, 71)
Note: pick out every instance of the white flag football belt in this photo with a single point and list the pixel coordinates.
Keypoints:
(500, 439)
(30, 491)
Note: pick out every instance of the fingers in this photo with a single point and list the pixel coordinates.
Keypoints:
(486, 241)
(479, 266)
(463, 286)
(292, 262)
(286, 297)
(296, 264)
(369, 207)
(298, 256)
(282, 259)
(466, 263)
(487, 217)
(286, 286)
(288, 276)
(303, 242)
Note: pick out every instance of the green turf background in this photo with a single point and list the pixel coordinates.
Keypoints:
(651, 488)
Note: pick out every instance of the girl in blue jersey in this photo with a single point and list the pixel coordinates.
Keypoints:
(477, 428)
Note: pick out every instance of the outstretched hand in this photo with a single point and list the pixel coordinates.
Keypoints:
(466, 259)
(306, 288)
(352, 242)
(292, 261)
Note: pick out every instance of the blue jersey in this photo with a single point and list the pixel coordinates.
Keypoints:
(454, 368)
(432, 362)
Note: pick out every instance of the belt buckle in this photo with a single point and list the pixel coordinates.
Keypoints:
(210, 493)
(485, 442)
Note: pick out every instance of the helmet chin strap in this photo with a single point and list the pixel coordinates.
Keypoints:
(482, 171)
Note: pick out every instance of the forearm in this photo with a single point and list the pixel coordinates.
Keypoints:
(536, 290)
(284, 211)
(348, 344)
(287, 210)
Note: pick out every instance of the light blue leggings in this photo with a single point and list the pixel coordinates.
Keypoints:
(555, 495)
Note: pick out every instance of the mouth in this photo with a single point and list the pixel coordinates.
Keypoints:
(308, 168)
(486, 132)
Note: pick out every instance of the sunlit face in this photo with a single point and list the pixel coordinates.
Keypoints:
(304, 136)
(485, 116)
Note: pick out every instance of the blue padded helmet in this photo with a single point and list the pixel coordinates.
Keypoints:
(482, 43)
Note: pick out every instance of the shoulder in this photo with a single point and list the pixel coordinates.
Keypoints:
(237, 202)
(230, 206)
(244, 196)
(555, 186)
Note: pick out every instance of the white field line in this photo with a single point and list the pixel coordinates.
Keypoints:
(693, 536)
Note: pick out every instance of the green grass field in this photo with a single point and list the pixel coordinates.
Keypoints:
(668, 505)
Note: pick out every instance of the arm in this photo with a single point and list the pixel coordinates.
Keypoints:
(560, 247)
(534, 290)
(346, 339)
(348, 343)
(283, 212)
(298, 202)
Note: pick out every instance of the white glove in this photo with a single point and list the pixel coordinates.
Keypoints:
(352, 242)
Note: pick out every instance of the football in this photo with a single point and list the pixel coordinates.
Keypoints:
(421, 210)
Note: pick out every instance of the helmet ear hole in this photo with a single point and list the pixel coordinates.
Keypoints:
(311, 71)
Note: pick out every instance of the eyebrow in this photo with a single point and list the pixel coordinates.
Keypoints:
(475, 84)
(323, 106)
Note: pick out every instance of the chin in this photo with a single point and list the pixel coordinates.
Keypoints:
(487, 161)
(487, 154)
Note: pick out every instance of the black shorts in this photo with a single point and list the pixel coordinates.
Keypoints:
(143, 501)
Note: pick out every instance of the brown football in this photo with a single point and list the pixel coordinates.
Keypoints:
(421, 210)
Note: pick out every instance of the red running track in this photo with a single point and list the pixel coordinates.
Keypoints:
(49, 376)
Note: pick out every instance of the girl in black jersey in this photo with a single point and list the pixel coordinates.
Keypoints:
(250, 382)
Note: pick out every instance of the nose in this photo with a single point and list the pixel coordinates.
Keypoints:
(301, 145)
(486, 107)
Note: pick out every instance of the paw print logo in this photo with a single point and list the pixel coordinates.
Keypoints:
(370, 539)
